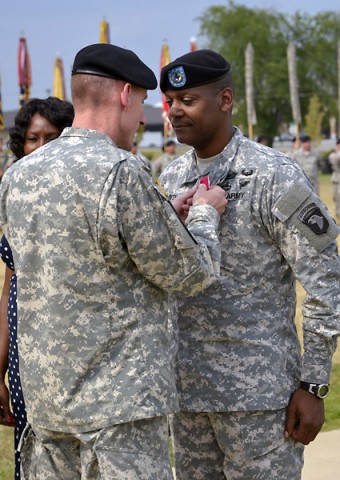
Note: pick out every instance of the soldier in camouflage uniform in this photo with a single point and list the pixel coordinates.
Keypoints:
(244, 413)
(310, 161)
(168, 155)
(334, 159)
(96, 247)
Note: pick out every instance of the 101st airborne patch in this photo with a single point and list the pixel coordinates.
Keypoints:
(312, 216)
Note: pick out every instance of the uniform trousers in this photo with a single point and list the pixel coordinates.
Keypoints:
(131, 451)
(236, 445)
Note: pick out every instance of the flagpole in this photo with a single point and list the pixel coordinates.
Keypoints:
(293, 88)
(251, 113)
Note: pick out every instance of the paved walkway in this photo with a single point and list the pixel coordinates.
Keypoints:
(322, 457)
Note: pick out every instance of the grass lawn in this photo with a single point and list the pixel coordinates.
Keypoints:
(332, 402)
(7, 454)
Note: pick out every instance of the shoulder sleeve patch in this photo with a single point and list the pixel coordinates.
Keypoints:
(299, 207)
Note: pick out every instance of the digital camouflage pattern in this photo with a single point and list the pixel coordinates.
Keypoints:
(96, 247)
(238, 345)
(135, 451)
(234, 446)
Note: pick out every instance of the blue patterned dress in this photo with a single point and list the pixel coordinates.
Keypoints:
(17, 398)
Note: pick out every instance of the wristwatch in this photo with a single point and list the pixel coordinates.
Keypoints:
(320, 390)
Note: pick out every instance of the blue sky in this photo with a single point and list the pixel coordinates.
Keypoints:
(63, 27)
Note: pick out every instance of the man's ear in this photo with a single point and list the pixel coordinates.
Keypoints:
(227, 98)
(125, 95)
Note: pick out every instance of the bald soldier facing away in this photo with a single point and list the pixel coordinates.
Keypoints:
(248, 401)
(96, 247)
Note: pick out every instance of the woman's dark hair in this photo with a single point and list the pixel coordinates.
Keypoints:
(58, 112)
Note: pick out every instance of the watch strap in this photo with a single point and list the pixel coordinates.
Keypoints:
(320, 390)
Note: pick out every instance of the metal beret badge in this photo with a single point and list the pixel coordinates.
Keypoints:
(177, 77)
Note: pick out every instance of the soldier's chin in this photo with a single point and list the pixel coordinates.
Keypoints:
(182, 136)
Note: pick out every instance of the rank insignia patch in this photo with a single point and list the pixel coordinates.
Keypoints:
(312, 216)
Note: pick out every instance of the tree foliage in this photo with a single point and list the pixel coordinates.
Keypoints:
(228, 30)
(313, 119)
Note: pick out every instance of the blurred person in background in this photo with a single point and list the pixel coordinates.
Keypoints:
(334, 160)
(310, 160)
(168, 155)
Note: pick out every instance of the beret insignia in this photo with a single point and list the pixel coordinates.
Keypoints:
(177, 77)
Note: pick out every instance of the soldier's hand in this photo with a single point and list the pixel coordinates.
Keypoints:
(183, 202)
(215, 197)
(305, 417)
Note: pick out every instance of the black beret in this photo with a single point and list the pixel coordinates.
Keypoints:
(193, 69)
(305, 138)
(106, 60)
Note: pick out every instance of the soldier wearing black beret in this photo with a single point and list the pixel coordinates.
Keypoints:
(248, 400)
(105, 75)
(109, 248)
(106, 60)
(193, 69)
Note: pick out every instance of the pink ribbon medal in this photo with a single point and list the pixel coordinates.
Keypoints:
(205, 181)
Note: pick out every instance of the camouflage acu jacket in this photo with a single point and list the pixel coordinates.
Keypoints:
(238, 345)
(96, 247)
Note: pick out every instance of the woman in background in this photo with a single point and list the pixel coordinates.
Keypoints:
(38, 122)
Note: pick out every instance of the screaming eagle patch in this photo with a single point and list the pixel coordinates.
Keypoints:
(312, 216)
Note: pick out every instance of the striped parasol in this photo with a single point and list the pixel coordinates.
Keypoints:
(167, 130)
(339, 87)
(59, 89)
(24, 72)
(193, 44)
(2, 123)
(104, 32)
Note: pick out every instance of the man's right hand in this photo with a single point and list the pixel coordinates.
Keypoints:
(215, 197)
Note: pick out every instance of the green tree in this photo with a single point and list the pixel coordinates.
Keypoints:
(316, 39)
(313, 119)
(228, 30)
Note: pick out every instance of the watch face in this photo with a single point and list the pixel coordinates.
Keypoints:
(323, 390)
